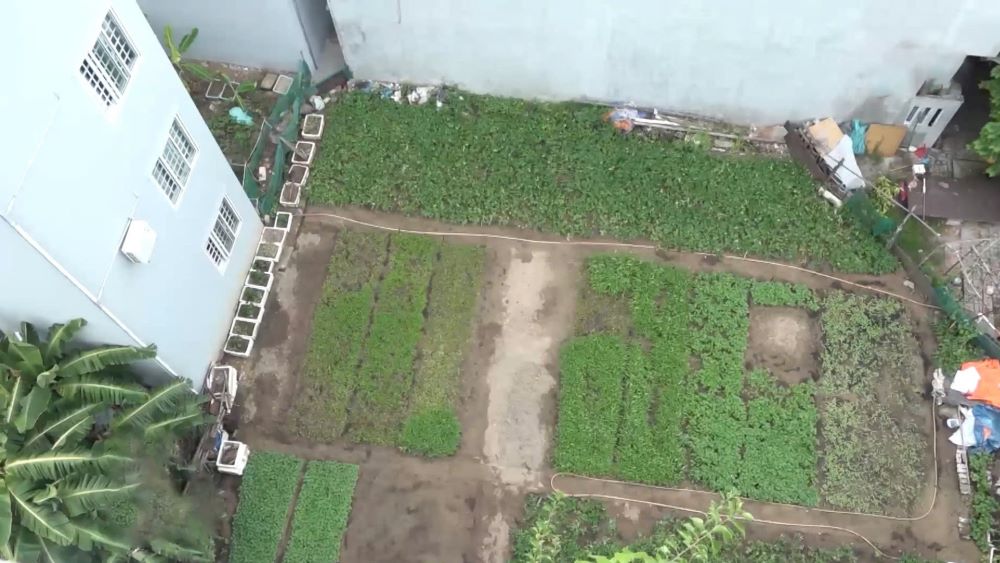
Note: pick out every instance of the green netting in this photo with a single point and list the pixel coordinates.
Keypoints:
(860, 208)
(284, 118)
(951, 307)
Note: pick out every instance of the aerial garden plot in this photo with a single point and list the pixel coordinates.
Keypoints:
(292, 510)
(730, 383)
(387, 344)
(557, 167)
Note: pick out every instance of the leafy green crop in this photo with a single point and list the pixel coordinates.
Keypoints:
(266, 492)
(340, 324)
(397, 321)
(985, 505)
(432, 428)
(557, 167)
(590, 401)
(780, 294)
(321, 512)
(369, 329)
(779, 459)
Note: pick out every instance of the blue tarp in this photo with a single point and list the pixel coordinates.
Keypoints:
(987, 422)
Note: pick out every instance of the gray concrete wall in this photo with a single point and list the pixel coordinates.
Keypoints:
(256, 33)
(732, 59)
(76, 172)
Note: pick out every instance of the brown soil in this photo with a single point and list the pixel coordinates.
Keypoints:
(785, 341)
(462, 508)
(296, 173)
(289, 191)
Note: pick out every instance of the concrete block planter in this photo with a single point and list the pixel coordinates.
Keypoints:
(312, 126)
(283, 84)
(283, 221)
(254, 296)
(260, 280)
(241, 327)
(222, 384)
(239, 346)
(250, 312)
(304, 152)
(265, 266)
(268, 251)
(291, 195)
(273, 235)
(297, 174)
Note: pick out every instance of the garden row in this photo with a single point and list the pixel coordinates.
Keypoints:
(315, 495)
(557, 167)
(663, 352)
(387, 343)
(566, 530)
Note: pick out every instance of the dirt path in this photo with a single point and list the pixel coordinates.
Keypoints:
(462, 508)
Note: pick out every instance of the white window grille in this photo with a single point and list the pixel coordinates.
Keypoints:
(108, 66)
(173, 167)
(223, 235)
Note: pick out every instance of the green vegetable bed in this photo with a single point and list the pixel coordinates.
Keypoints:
(266, 493)
(321, 513)
(658, 388)
(558, 167)
(388, 340)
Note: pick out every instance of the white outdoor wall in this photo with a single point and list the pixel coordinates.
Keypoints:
(257, 33)
(73, 173)
(761, 62)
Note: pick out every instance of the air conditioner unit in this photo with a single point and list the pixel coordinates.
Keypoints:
(139, 241)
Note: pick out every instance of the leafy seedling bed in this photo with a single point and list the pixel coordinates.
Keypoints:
(283, 221)
(260, 279)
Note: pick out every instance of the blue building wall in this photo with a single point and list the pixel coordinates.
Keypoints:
(748, 62)
(256, 33)
(75, 173)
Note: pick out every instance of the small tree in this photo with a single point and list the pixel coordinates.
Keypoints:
(73, 427)
(176, 53)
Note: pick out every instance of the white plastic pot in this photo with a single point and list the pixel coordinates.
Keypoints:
(277, 253)
(313, 121)
(273, 235)
(289, 200)
(260, 309)
(297, 169)
(283, 84)
(266, 286)
(309, 146)
(237, 353)
(253, 331)
(283, 216)
(233, 457)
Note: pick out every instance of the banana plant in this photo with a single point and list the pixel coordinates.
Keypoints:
(176, 53)
(73, 422)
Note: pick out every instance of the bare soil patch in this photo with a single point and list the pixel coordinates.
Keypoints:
(785, 341)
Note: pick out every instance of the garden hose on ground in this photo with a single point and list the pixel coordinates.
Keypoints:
(618, 245)
(552, 485)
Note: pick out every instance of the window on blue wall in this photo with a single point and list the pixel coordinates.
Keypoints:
(222, 237)
(108, 65)
(173, 167)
